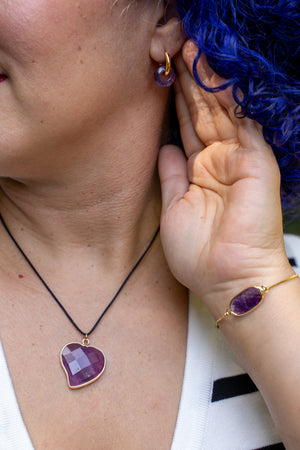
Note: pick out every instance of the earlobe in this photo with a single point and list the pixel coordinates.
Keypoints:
(166, 38)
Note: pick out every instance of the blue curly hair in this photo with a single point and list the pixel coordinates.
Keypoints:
(255, 45)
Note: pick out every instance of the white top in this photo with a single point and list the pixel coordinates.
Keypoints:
(220, 408)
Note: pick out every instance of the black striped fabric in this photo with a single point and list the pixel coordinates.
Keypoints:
(278, 446)
(229, 387)
(292, 262)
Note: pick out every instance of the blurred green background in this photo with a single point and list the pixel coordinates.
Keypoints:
(292, 227)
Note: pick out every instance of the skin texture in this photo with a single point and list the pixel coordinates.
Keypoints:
(53, 90)
(80, 134)
(228, 185)
(222, 232)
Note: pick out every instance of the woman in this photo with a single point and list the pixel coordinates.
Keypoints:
(81, 130)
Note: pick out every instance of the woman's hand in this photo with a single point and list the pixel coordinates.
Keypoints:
(221, 230)
(221, 224)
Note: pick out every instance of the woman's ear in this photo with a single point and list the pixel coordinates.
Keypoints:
(167, 37)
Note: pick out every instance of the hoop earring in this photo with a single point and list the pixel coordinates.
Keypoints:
(164, 75)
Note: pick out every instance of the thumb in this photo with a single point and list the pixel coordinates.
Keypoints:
(172, 168)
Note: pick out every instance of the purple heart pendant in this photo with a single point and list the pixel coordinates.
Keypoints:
(82, 364)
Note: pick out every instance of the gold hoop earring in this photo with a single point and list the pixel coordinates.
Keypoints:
(164, 75)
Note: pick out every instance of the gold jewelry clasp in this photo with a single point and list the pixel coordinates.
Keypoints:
(85, 340)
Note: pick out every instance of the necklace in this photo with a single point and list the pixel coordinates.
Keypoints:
(82, 363)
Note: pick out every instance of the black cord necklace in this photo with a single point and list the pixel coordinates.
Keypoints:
(82, 363)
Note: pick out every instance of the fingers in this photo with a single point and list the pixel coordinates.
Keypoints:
(210, 119)
(200, 116)
(213, 114)
(208, 77)
(191, 142)
(173, 175)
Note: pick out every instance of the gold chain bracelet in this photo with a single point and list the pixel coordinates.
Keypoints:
(248, 300)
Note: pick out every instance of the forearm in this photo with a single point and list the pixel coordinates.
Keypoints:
(266, 342)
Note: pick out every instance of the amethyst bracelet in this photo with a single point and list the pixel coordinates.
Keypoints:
(248, 300)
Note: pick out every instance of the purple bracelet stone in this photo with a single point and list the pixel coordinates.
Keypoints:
(246, 301)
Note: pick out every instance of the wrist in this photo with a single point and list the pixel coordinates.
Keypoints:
(219, 298)
(249, 299)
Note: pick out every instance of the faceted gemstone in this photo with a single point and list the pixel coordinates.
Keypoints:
(163, 80)
(82, 364)
(246, 300)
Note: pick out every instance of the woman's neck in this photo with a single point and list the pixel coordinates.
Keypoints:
(109, 208)
(85, 211)
(95, 190)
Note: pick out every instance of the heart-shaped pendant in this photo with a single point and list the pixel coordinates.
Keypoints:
(82, 364)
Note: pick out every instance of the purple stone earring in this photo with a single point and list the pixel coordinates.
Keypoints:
(164, 75)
